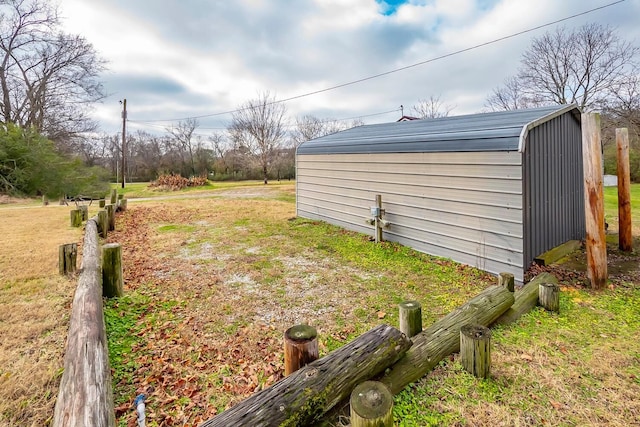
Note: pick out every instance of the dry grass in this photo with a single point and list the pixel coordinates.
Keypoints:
(34, 310)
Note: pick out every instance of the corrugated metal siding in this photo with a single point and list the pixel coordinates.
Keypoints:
(553, 186)
(463, 206)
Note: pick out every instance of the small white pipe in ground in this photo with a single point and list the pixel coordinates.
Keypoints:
(138, 403)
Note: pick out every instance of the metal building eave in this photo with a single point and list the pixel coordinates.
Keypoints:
(522, 143)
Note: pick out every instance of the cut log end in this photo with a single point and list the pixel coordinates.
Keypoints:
(371, 405)
(300, 347)
(507, 280)
(410, 318)
(475, 350)
(549, 296)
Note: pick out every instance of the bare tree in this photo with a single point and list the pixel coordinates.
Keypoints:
(584, 66)
(309, 127)
(432, 108)
(510, 96)
(259, 125)
(48, 78)
(185, 141)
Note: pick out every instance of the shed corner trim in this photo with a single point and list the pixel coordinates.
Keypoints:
(522, 142)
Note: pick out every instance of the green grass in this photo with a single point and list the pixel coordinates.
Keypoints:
(611, 200)
(544, 366)
(135, 190)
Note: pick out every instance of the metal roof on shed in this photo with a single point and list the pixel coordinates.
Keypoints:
(496, 131)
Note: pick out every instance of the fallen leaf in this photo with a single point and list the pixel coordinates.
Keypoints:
(381, 314)
(556, 405)
(526, 357)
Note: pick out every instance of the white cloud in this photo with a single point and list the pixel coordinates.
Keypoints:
(190, 58)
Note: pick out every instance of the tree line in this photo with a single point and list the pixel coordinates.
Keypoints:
(50, 80)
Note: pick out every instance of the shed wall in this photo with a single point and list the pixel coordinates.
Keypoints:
(553, 186)
(466, 206)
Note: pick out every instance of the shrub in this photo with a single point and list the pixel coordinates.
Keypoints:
(175, 182)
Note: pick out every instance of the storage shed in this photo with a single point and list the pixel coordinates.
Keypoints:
(491, 190)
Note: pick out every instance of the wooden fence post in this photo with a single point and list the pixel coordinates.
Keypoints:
(549, 296)
(122, 205)
(475, 349)
(67, 258)
(111, 216)
(625, 238)
(300, 347)
(85, 212)
(102, 203)
(410, 318)
(594, 200)
(114, 196)
(507, 280)
(103, 223)
(371, 405)
(76, 217)
(112, 281)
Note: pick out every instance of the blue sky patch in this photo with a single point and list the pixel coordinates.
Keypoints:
(389, 7)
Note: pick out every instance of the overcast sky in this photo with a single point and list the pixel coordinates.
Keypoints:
(173, 59)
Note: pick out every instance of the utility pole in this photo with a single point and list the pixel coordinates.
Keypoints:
(124, 136)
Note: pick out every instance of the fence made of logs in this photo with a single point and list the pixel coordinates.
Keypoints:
(384, 360)
(85, 396)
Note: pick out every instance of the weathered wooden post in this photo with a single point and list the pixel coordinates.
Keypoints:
(549, 296)
(475, 349)
(111, 215)
(76, 217)
(114, 196)
(67, 258)
(85, 212)
(120, 196)
(594, 200)
(300, 347)
(102, 203)
(122, 205)
(625, 238)
(112, 278)
(507, 280)
(410, 318)
(103, 223)
(371, 405)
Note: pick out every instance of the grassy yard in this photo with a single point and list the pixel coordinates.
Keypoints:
(213, 282)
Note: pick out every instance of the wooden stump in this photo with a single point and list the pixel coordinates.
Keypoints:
(410, 318)
(507, 280)
(114, 196)
(122, 205)
(111, 216)
(371, 405)
(549, 296)
(76, 218)
(103, 223)
(85, 212)
(102, 203)
(67, 258)
(120, 196)
(112, 281)
(475, 350)
(300, 347)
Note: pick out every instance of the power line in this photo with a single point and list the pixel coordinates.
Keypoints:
(362, 116)
(396, 70)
